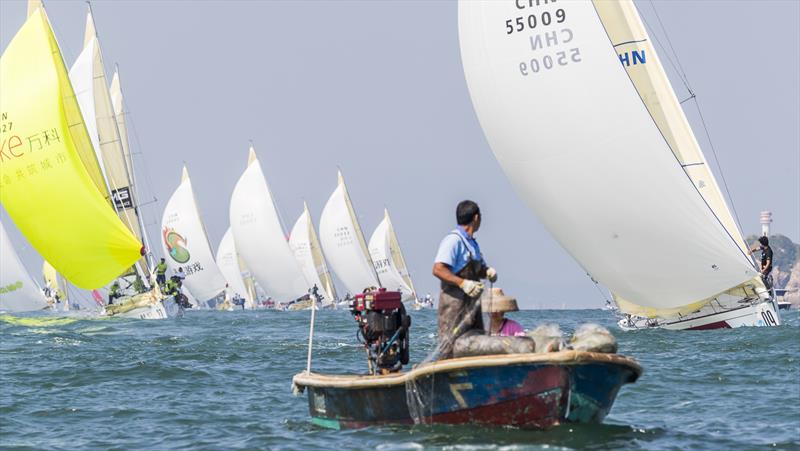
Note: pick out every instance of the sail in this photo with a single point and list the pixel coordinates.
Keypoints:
(343, 242)
(54, 282)
(89, 81)
(260, 239)
(389, 262)
(185, 244)
(304, 244)
(228, 262)
(18, 291)
(574, 137)
(48, 171)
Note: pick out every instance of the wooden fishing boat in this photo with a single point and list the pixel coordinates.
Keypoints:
(532, 391)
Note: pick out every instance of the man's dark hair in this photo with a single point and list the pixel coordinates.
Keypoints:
(764, 241)
(162, 259)
(465, 211)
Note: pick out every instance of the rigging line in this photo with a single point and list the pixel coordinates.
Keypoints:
(669, 59)
(716, 161)
(666, 36)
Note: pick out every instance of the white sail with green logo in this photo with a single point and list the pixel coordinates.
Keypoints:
(185, 244)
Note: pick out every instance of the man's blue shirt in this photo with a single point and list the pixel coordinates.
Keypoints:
(456, 250)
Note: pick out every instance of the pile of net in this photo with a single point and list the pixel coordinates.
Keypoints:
(544, 338)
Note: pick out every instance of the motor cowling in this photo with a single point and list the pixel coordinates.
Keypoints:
(383, 327)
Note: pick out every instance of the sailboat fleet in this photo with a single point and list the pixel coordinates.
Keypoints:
(643, 164)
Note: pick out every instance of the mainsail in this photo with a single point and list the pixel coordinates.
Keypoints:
(343, 242)
(18, 290)
(95, 99)
(48, 168)
(389, 262)
(579, 144)
(260, 238)
(305, 245)
(229, 264)
(185, 243)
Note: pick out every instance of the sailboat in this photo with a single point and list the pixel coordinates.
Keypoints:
(305, 245)
(582, 118)
(343, 242)
(389, 262)
(51, 170)
(18, 290)
(260, 238)
(230, 264)
(56, 288)
(185, 243)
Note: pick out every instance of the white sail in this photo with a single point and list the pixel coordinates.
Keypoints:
(97, 106)
(343, 242)
(576, 140)
(228, 262)
(389, 262)
(185, 243)
(18, 291)
(306, 248)
(260, 239)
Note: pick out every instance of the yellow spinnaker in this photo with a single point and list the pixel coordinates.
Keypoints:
(50, 182)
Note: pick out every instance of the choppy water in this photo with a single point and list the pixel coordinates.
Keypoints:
(215, 380)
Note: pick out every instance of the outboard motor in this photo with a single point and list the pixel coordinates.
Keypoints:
(383, 328)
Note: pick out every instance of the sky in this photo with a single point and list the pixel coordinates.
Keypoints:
(377, 89)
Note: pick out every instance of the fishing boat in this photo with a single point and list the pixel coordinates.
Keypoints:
(533, 391)
(260, 239)
(384, 248)
(60, 162)
(185, 243)
(343, 242)
(305, 245)
(578, 110)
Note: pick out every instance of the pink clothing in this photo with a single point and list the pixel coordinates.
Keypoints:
(511, 328)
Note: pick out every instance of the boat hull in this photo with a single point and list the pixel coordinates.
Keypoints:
(532, 391)
(748, 315)
(164, 309)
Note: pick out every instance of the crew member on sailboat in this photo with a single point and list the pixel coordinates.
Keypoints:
(460, 266)
(766, 260)
(161, 273)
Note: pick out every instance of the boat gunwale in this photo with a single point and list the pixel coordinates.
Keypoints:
(306, 379)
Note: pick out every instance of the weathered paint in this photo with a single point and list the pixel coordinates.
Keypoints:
(529, 395)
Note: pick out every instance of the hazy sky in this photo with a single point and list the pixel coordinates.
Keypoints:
(377, 88)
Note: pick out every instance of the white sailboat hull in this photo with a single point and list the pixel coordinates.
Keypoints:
(760, 314)
(167, 308)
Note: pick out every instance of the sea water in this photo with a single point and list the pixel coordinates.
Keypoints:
(222, 380)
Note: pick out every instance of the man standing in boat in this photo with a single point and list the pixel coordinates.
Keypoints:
(161, 273)
(459, 265)
(766, 260)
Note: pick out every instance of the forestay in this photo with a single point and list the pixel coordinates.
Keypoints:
(185, 243)
(228, 262)
(18, 290)
(49, 168)
(389, 262)
(260, 238)
(574, 137)
(343, 242)
(305, 245)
